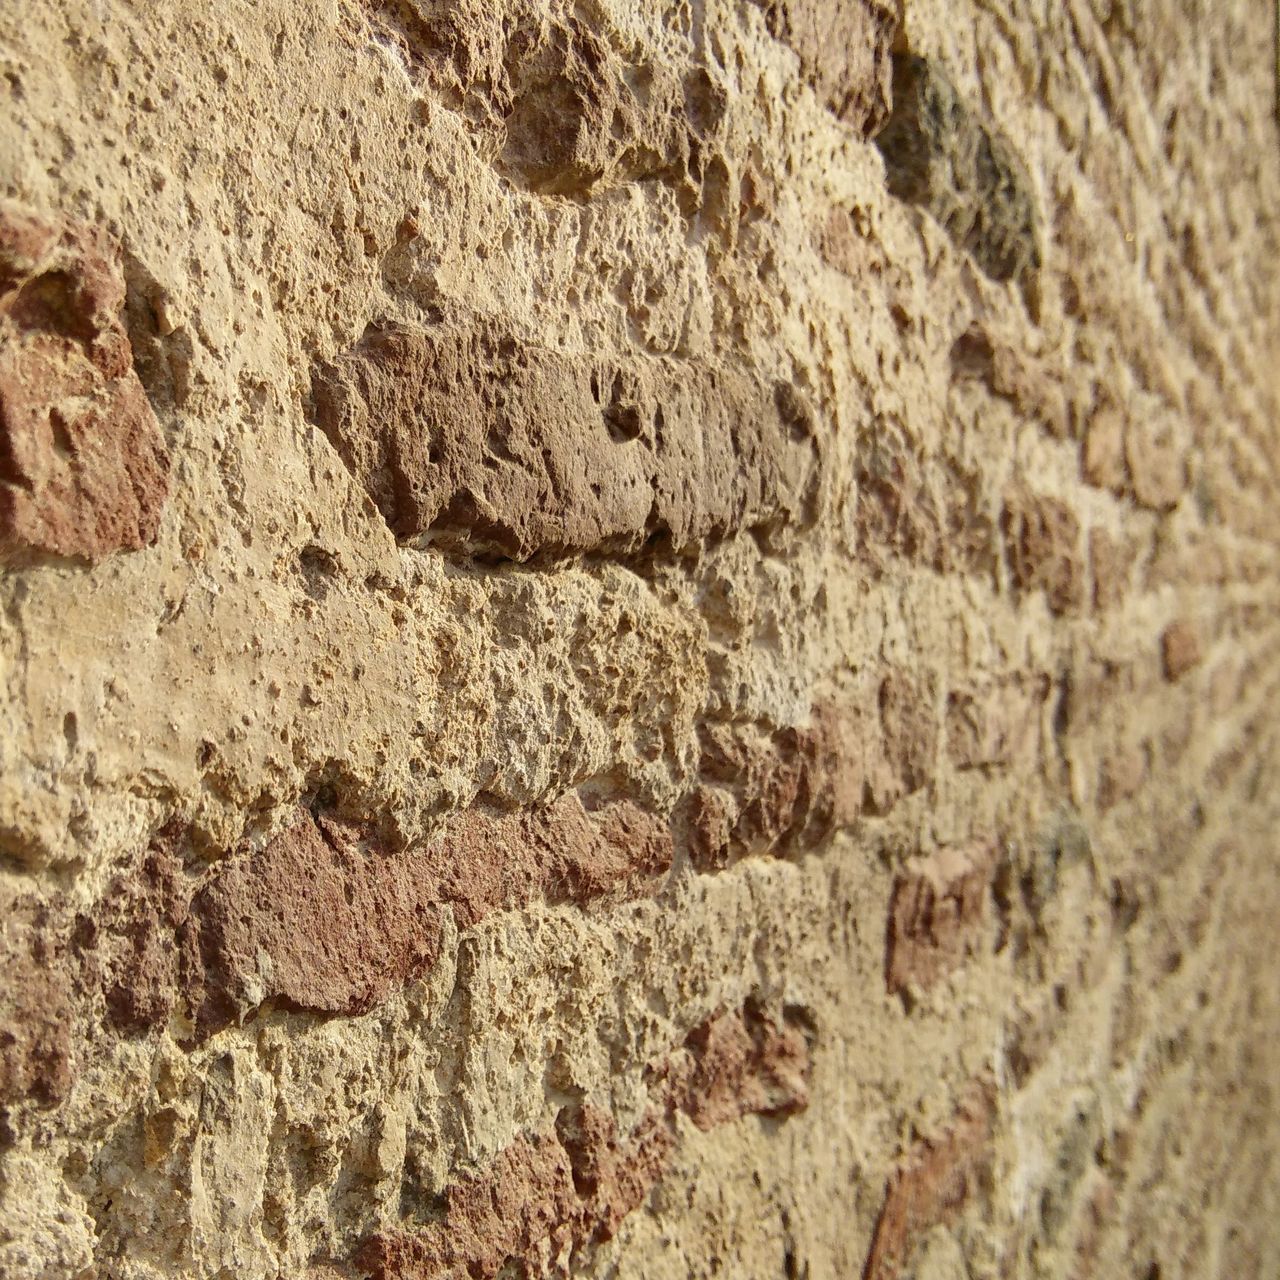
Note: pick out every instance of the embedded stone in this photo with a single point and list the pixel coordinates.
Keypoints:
(84, 469)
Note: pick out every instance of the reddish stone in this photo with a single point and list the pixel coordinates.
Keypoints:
(84, 470)
(931, 1186)
(315, 921)
(923, 509)
(36, 1004)
(908, 740)
(129, 947)
(739, 1064)
(936, 915)
(712, 813)
(844, 51)
(554, 1194)
(524, 1203)
(781, 790)
(785, 790)
(325, 919)
(1111, 562)
(58, 969)
(614, 1175)
(898, 516)
(487, 441)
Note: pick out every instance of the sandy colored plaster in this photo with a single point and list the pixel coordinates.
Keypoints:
(375, 792)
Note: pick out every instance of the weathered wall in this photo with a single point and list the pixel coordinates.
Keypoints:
(639, 638)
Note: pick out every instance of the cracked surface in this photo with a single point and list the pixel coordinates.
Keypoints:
(638, 640)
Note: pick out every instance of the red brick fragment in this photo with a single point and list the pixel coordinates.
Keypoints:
(130, 946)
(783, 791)
(768, 789)
(485, 440)
(550, 1196)
(614, 1174)
(84, 470)
(36, 1004)
(922, 510)
(523, 1203)
(844, 51)
(738, 1064)
(906, 758)
(931, 1186)
(61, 971)
(315, 921)
(936, 915)
(325, 919)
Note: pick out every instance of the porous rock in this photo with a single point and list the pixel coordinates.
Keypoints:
(638, 639)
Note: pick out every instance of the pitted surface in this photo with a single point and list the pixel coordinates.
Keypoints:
(638, 639)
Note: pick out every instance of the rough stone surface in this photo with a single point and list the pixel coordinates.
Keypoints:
(942, 155)
(482, 442)
(930, 1187)
(319, 920)
(1179, 649)
(639, 639)
(35, 1039)
(548, 1197)
(84, 470)
(936, 916)
(844, 52)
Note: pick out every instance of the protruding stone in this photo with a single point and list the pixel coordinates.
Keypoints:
(84, 470)
(993, 724)
(326, 919)
(844, 51)
(484, 442)
(36, 1004)
(558, 1192)
(906, 759)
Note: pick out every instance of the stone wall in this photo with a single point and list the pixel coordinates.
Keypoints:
(639, 640)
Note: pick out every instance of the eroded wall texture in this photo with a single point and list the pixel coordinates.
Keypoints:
(639, 639)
